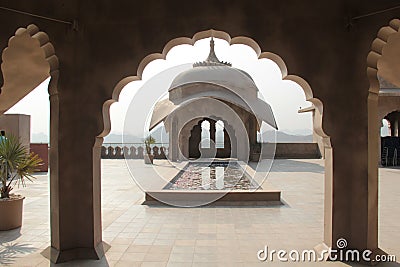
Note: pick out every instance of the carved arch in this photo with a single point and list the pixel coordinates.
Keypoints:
(382, 40)
(374, 56)
(235, 40)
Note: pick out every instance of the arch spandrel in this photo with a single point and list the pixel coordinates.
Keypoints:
(27, 61)
(385, 53)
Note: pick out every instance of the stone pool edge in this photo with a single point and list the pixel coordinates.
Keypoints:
(235, 197)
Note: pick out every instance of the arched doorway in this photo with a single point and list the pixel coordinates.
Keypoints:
(222, 138)
(390, 140)
(317, 106)
(394, 123)
(382, 71)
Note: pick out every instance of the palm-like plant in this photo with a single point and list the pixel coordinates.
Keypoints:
(148, 142)
(16, 164)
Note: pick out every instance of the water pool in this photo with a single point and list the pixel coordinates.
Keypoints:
(212, 176)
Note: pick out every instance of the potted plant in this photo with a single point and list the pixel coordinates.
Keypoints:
(148, 157)
(16, 166)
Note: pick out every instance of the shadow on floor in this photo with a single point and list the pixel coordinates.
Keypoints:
(290, 165)
(10, 251)
(9, 235)
(225, 204)
(390, 167)
(88, 263)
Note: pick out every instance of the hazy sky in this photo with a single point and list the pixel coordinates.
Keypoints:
(36, 104)
(285, 97)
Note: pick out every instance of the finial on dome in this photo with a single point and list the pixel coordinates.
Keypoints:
(212, 59)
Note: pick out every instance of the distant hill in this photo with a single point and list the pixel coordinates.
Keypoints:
(282, 137)
(161, 136)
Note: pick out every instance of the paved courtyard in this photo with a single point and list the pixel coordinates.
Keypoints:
(209, 236)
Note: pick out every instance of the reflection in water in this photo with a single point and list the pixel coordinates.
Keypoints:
(205, 178)
(219, 176)
(214, 176)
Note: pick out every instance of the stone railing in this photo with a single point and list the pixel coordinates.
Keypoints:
(132, 151)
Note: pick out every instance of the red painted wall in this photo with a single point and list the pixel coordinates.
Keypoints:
(43, 151)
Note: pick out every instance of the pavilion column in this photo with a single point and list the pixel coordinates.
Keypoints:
(184, 143)
(232, 139)
(252, 131)
(227, 143)
(392, 128)
(173, 140)
(212, 133)
(380, 144)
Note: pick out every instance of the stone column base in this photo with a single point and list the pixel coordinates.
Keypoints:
(57, 256)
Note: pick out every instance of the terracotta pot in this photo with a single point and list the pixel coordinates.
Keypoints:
(11, 213)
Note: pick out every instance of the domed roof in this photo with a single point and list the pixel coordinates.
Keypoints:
(213, 79)
(220, 75)
(213, 71)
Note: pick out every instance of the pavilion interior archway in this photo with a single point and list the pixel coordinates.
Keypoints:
(207, 132)
(390, 140)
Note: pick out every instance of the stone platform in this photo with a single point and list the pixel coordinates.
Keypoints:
(185, 198)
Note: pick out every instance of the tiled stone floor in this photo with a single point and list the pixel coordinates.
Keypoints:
(211, 236)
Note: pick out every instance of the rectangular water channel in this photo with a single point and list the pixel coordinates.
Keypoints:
(212, 176)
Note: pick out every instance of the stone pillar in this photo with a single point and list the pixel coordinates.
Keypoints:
(227, 145)
(380, 143)
(75, 210)
(212, 133)
(392, 128)
(232, 140)
(173, 140)
(75, 174)
(252, 130)
(194, 141)
(184, 143)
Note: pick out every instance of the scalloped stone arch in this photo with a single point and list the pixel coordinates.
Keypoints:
(235, 40)
(317, 104)
(374, 124)
(383, 38)
(42, 56)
